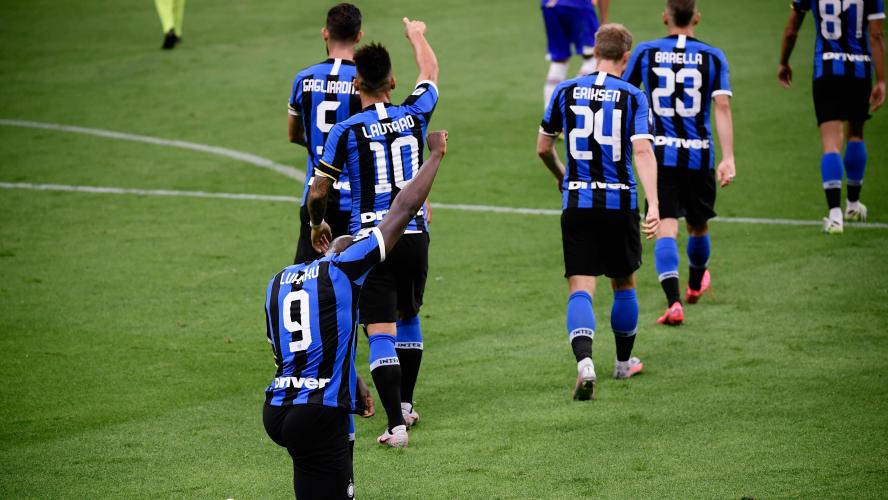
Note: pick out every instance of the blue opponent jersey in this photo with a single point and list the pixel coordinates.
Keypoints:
(842, 46)
(322, 96)
(680, 76)
(380, 149)
(579, 4)
(310, 313)
(600, 116)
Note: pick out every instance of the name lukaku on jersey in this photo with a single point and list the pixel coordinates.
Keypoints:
(399, 125)
(328, 87)
(679, 58)
(300, 277)
(598, 94)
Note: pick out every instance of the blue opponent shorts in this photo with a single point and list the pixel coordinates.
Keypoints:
(570, 25)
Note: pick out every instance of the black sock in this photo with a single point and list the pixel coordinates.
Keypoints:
(670, 287)
(624, 346)
(834, 197)
(695, 277)
(351, 449)
(388, 384)
(582, 347)
(854, 192)
(410, 361)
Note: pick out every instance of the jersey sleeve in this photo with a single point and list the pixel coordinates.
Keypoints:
(801, 6)
(295, 105)
(875, 10)
(423, 99)
(553, 120)
(633, 70)
(722, 75)
(357, 260)
(335, 153)
(641, 128)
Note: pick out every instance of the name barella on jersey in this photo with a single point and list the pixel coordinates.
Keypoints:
(842, 46)
(310, 313)
(600, 115)
(324, 95)
(380, 149)
(680, 76)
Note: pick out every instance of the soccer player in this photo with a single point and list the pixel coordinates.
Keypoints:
(850, 45)
(381, 149)
(605, 120)
(682, 76)
(570, 22)
(310, 318)
(324, 95)
(172, 17)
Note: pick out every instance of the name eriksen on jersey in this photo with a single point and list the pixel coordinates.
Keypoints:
(328, 87)
(379, 128)
(679, 58)
(598, 94)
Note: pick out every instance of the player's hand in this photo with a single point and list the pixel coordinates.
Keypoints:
(784, 75)
(321, 237)
(365, 399)
(651, 221)
(428, 212)
(726, 172)
(877, 97)
(413, 28)
(437, 141)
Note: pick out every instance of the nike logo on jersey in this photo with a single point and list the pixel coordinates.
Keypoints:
(325, 87)
(675, 142)
(843, 57)
(300, 382)
(399, 125)
(679, 58)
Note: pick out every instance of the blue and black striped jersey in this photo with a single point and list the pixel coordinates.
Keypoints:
(310, 316)
(600, 116)
(380, 149)
(322, 96)
(680, 76)
(842, 47)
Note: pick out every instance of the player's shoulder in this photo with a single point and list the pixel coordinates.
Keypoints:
(650, 45)
(701, 46)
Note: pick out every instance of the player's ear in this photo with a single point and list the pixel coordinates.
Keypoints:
(325, 33)
(666, 18)
(392, 82)
(626, 56)
(358, 84)
(696, 20)
(358, 38)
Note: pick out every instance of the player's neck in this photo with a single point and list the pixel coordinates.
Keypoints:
(340, 51)
(687, 31)
(614, 68)
(371, 99)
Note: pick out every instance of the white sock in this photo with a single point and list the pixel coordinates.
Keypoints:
(589, 66)
(557, 74)
(584, 363)
(835, 214)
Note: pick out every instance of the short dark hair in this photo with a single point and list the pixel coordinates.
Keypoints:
(344, 22)
(612, 41)
(374, 67)
(681, 11)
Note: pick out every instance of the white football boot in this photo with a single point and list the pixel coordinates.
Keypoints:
(855, 212)
(626, 369)
(397, 438)
(411, 417)
(585, 388)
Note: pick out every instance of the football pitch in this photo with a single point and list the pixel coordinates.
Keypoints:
(133, 357)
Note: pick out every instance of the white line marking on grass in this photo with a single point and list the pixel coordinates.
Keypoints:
(446, 206)
(250, 158)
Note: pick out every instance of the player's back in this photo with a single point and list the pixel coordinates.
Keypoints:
(381, 149)
(681, 75)
(324, 95)
(842, 43)
(600, 115)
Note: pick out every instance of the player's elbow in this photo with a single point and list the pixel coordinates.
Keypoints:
(877, 38)
(544, 150)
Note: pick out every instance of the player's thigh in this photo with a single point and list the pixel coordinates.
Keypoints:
(413, 269)
(582, 241)
(317, 440)
(557, 37)
(622, 243)
(837, 100)
(698, 196)
(379, 297)
(273, 421)
(583, 25)
(669, 181)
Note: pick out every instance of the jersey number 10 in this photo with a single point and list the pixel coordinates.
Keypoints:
(383, 184)
(831, 22)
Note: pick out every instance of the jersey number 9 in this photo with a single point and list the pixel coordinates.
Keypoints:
(296, 305)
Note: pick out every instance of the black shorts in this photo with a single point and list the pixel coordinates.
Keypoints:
(316, 437)
(686, 193)
(598, 241)
(338, 221)
(842, 98)
(394, 288)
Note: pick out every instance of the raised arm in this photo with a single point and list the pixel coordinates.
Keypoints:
(725, 126)
(296, 130)
(877, 47)
(425, 56)
(646, 164)
(790, 34)
(546, 152)
(415, 193)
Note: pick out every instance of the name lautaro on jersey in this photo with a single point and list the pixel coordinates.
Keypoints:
(397, 126)
(328, 87)
(599, 94)
(679, 58)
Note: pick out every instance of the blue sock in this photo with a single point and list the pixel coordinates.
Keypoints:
(624, 322)
(409, 345)
(831, 173)
(580, 324)
(855, 167)
(698, 260)
(382, 351)
(666, 258)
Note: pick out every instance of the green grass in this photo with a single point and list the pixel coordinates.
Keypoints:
(132, 350)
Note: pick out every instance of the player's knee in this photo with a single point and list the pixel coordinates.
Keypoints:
(622, 284)
(697, 230)
(581, 284)
(668, 228)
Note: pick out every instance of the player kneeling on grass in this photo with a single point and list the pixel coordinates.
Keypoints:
(311, 325)
(682, 76)
(605, 121)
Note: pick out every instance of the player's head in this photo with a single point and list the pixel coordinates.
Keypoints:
(374, 70)
(613, 43)
(340, 244)
(681, 13)
(343, 24)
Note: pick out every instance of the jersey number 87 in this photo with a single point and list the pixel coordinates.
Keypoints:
(831, 22)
